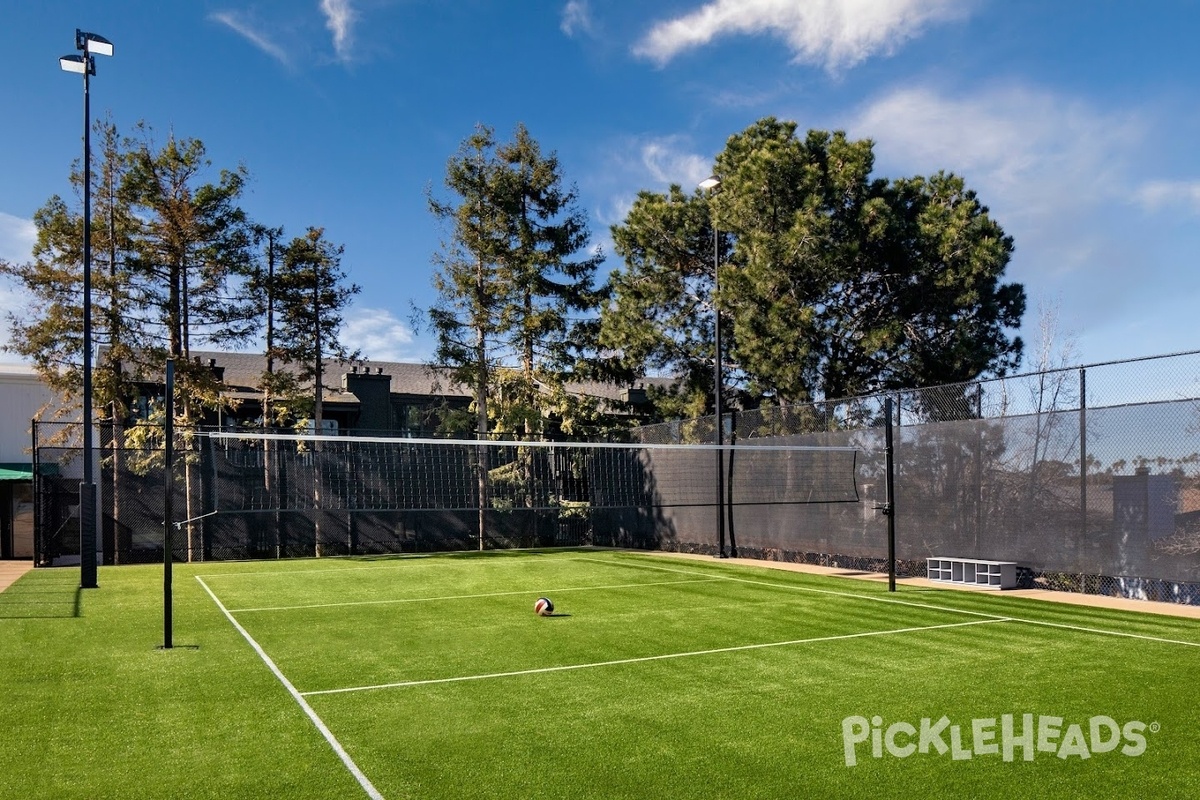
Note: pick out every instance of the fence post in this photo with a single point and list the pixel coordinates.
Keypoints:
(1083, 454)
(978, 464)
(729, 523)
(39, 544)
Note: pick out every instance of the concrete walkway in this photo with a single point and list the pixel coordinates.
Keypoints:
(1070, 598)
(11, 570)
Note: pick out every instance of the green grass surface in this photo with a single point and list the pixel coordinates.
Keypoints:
(664, 678)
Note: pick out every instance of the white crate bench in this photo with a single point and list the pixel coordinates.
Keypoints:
(973, 572)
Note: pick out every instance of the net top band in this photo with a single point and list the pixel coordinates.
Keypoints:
(312, 437)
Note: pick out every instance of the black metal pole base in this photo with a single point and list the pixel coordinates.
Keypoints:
(87, 536)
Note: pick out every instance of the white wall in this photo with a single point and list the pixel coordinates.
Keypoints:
(22, 396)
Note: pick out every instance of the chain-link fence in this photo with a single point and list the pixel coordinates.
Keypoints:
(1088, 478)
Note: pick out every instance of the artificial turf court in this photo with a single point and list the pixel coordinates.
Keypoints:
(431, 677)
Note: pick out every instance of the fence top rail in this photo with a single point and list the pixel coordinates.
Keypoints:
(982, 380)
(309, 437)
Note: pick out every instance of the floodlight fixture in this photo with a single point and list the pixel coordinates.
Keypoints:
(92, 43)
(74, 63)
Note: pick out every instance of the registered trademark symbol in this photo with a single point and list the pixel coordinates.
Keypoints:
(1155, 727)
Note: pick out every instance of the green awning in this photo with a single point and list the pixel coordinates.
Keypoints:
(16, 472)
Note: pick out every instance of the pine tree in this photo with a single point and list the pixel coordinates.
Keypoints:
(191, 249)
(508, 286)
(312, 296)
(49, 330)
(836, 282)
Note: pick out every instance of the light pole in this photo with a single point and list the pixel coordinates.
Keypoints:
(91, 45)
(710, 185)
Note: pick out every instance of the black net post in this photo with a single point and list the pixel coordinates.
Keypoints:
(168, 511)
(1083, 455)
(889, 496)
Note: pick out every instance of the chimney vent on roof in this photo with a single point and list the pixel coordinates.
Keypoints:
(379, 370)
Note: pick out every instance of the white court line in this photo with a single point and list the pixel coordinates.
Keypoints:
(399, 559)
(468, 596)
(276, 573)
(643, 659)
(1080, 628)
(362, 779)
(1102, 631)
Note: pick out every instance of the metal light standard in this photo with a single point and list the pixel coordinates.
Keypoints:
(710, 185)
(91, 45)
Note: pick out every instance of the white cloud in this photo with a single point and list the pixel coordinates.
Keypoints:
(613, 212)
(340, 19)
(1033, 156)
(665, 161)
(244, 28)
(834, 34)
(651, 163)
(379, 335)
(1156, 195)
(17, 237)
(1061, 176)
(576, 18)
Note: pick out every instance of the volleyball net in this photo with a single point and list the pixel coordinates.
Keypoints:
(280, 494)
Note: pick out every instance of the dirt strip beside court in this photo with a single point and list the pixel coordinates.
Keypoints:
(11, 570)
(1071, 598)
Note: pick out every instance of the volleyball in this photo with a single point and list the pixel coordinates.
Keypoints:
(543, 607)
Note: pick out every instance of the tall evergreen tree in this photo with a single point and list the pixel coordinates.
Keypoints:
(49, 331)
(267, 287)
(554, 294)
(191, 251)
(661, 315)
(837, 283)
(467, 317)
(510, 286)
(312, 295)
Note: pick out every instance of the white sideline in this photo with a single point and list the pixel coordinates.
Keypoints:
(390, 561)
(468, 596)
(643, 659)
(362, 779)
(1080, 628)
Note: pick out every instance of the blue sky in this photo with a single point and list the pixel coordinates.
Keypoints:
(1076, 122)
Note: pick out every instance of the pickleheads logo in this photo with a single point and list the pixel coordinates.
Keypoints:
(989, 736)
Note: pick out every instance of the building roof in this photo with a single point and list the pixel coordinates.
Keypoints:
(243, 371)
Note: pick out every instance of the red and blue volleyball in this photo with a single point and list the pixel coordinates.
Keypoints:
(543, 607)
